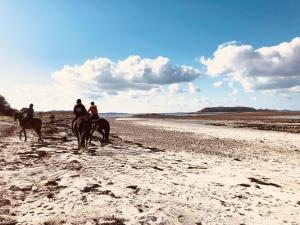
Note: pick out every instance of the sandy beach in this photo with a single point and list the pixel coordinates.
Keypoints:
(149, 112)
(154, 171)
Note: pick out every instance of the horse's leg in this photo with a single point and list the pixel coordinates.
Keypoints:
(86, 139)
(78, 141)
(24, 130)
(105, 133)
(91, 134)
(21, 134)
(103, 136)
(39, 133)
(82, 139)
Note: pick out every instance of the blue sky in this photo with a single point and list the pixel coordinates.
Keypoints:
(38, 38)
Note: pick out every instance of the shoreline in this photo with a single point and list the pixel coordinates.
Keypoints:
(276, 121)
(239, 133)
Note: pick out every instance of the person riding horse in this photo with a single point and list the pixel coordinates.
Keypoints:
(94, 112)
(79, 110)
(81, 125)
(28, 121)
(29, 115)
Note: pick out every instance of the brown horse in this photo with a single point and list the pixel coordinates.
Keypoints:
(35, 124)
(82, 128)
(103, 127)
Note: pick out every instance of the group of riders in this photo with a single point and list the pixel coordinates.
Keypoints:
(85, 122)
(79, 110)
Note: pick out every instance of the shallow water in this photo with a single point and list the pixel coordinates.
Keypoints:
(110, 115)
(292, 117)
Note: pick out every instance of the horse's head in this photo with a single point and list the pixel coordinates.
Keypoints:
(17, 115)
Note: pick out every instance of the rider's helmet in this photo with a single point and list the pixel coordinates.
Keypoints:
(78, 101)
(92, 103)
(31, 105)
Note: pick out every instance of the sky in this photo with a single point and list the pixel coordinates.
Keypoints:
(153, 56)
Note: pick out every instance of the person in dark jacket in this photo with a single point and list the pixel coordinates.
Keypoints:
(79, 110)
(29, 114)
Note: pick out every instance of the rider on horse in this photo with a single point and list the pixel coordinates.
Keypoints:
(29, 115)
(94, 112)
(79, 110)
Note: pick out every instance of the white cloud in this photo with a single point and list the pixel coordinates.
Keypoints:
(133, 73)
(183, 87)
(131, 85)
(295, 89)
(176, 88)
(266, 68)
(218, 84)
(281, 93)
(270, 92)
(141, 94)
(193, 88)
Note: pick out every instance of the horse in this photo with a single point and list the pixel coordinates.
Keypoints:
(35, 124)
(82, 127)
(101, 125)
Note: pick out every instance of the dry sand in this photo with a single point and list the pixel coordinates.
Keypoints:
(180, 174)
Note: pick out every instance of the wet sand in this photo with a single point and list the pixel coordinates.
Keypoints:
(260, 120)
(152, 172)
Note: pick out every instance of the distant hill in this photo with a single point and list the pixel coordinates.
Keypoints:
(5, 108)
(228, 109)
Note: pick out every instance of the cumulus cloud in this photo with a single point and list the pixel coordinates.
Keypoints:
(184, 87)
(119, 85)
(176, 88)
(218, 84)
(133, 73)
(295, 89)
(141, 94)
(266, 68)
(193, 88)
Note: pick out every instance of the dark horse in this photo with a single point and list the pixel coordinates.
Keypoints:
(82, 128)
(36, 125)
(103, 127)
